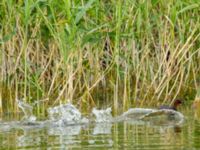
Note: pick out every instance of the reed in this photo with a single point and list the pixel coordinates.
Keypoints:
(92, 53)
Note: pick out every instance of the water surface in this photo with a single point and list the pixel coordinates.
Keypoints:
(126, 134)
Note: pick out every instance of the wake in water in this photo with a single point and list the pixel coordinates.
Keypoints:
(154, 117)
(68, 116)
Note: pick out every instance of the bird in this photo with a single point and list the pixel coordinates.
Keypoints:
(169, 110)
(175, 105)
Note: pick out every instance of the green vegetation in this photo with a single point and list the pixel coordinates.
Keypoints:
(92, 52)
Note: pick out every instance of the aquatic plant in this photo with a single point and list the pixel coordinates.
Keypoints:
(93, 52)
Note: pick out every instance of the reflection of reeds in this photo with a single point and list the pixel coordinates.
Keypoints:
(57, 50)
(196, 104)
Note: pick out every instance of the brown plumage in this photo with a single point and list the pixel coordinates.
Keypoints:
(175, 105)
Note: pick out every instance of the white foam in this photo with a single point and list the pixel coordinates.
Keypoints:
(66, 114)
(103, 115)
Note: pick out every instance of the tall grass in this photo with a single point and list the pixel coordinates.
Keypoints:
(91, 52)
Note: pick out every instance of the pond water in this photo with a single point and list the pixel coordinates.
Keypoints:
(151, 132)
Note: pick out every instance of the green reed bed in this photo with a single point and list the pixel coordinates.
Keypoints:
(91, 52)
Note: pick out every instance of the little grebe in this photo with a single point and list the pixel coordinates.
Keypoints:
(175, 105)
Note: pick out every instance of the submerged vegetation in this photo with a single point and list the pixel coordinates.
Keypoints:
(91, 52)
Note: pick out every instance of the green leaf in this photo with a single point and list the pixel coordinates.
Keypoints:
(83, 10)
(188, 8)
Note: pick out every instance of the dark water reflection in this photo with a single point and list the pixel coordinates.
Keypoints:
(123, 135)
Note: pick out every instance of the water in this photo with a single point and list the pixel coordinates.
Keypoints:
(67, 128)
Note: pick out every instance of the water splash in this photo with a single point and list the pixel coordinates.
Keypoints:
(165, 116)
(152, 117)
(27, 110)
(102, 115)
(66, 114)
(134, 114)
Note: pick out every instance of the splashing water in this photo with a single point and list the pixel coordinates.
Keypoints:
(103, 115)
(167, 116)
(152, 116)
(66, 114)
(134, 114)
(27, 110)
